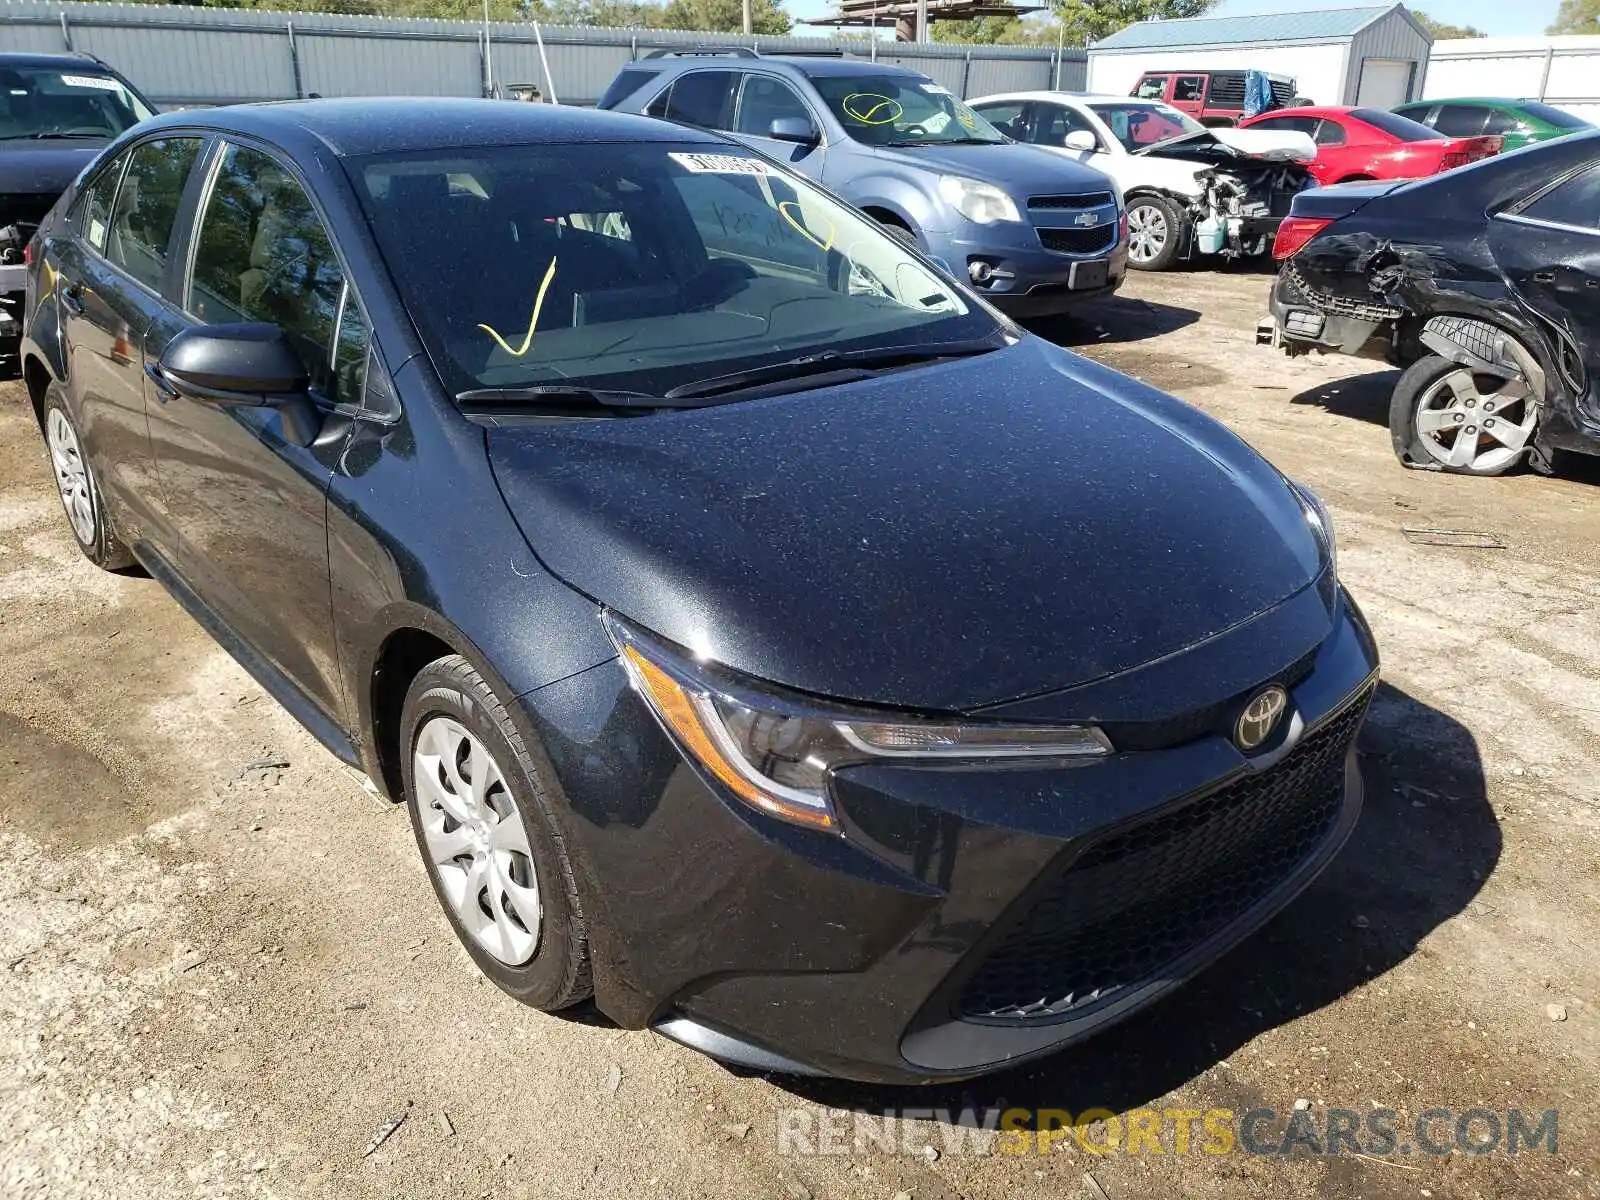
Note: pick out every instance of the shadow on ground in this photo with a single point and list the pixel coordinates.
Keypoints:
(1416, 859)
(1117, 319)
(1361, 397)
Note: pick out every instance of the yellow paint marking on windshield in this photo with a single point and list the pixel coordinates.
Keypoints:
(538, 303)
(800, 227)
(872, 108)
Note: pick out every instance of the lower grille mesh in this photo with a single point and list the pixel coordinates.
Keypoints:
(1130, 905)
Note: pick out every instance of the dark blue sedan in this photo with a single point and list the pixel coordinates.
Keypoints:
(768, 638)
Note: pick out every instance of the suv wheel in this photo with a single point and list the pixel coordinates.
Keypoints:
(80, 494)
(496, 858)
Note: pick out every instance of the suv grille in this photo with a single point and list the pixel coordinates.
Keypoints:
(1079, 241)
(1129, 906)
(1087, 200)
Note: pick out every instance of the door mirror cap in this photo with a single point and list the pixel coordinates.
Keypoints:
(1081, 139)
(794, 129)
(239, 364)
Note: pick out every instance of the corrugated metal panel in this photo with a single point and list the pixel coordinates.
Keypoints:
(1394, 38)
(1315, 25)
(194, 56)
(1563, 71)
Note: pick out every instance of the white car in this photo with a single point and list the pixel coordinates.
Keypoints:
(1189, 189)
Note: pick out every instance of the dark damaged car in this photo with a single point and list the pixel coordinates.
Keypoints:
(768, 638)
(57, 111)
(1484, 283)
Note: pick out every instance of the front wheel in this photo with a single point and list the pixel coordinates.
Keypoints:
(1446, 417)
(1155, 232)
(78, 488)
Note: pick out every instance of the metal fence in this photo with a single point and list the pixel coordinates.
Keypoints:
(185, 57)
(1563, 71)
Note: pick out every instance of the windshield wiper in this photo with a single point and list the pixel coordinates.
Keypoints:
(828, 362)
(566, 396)
(938, 141)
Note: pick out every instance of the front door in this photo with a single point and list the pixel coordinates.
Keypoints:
(251, 505)
(112, 276)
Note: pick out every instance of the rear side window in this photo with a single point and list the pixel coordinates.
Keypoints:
(628, 81)
(147, 206)
(1151, 87)
(263, 255)
(93, 216)
(703, 99)
(1461, 120)
(1499, 122)
(1330, 133)
(1575, 202)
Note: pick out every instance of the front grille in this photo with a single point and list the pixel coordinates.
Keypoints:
(1086, 200)
(1131, 905)
(1079, 241)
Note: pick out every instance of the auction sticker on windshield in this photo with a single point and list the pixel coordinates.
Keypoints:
(719, 164)
(92, 81)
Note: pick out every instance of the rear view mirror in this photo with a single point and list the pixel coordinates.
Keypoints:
(794, 129)
(249, 365)
(1081, 139)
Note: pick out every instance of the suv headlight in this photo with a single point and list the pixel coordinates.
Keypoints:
(776, 752)
(976, 200)
(1321, 523)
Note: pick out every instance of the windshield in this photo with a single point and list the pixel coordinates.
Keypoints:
(1396, 126)
(1138, 126)
(1553, 116)
(640, 266)
(48, 102)
(902, 110)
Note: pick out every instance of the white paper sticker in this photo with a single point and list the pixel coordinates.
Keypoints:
(719, 164)
(92, 81)
(933, 89)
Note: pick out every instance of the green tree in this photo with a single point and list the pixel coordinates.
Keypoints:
(996, 31)
(1443, 30)
(726, 16)
(1088, 21)
(1577, 16)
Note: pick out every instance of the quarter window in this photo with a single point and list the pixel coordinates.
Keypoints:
(147, 203)
(93, 217)
(1575, 202)
(1330, 133)
(263, 255)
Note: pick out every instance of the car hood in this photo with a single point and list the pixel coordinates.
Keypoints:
(35, 168)
(1020, 170)
(944, 538)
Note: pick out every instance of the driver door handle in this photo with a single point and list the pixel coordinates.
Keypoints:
(72, 299)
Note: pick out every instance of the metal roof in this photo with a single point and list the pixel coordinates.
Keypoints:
(1313, 26)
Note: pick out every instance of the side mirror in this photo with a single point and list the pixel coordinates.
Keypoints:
(1081, 139)
(794, 129)
(250, 366)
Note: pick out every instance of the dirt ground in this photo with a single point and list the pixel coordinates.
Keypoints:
(217, 981)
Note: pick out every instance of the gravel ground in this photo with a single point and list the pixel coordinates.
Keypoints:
(217, 981)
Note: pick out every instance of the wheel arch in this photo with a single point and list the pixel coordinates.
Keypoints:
(37, 377)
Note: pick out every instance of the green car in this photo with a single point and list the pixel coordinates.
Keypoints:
(1519, 122)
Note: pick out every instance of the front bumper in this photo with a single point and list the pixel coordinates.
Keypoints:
(969, 917)
(1027, 279)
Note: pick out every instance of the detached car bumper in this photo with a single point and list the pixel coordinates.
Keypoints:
(964, 918)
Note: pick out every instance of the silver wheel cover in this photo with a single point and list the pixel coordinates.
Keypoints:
(1477, 422)
(476, 844)
(1147, 232)
(72, 475)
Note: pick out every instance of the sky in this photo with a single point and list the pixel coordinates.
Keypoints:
(1494, 17)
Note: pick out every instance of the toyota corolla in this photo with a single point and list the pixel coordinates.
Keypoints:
(769, 639)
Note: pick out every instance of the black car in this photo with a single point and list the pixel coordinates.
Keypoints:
(767, 637)
(1484, 282)
(57, 111)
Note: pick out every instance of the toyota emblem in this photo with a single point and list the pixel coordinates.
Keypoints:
(1260, 717)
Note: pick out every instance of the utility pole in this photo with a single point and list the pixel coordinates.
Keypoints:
(922, 20)
(488, 65)
(749, 25)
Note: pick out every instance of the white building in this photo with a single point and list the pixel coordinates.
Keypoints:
(1371, 56)
(1563, 71)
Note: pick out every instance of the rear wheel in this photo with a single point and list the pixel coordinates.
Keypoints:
(1155, 232)
(1450, 418)
(78, 489)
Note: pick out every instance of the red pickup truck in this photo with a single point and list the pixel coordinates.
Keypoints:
(1210, 97)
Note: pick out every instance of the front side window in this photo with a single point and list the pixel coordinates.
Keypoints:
(1138, 126)
(902, 110)
(1010, 117)
(52, 103)
(263, 255)
(1151, 87)
(765, 100)
(728, 262)
(1056, 121)
(1575, 202)
(147, 207)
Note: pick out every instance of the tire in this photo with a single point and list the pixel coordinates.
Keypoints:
(1156, 230)
(898, 231)
(1437, 401)
(79, 490)
(513, 878)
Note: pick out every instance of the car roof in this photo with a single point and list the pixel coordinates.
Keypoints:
(1484, 101)
(825, 67)
(360, 126)
(65, 62)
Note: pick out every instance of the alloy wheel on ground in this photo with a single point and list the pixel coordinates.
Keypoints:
(1478, 423)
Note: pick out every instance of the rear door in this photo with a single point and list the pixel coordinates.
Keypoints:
(764, 99)
(1549, 250)
(249, 504)
(113, 274)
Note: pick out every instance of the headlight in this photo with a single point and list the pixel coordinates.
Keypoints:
(776, 753)
(976, 200)
(1321, 523)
